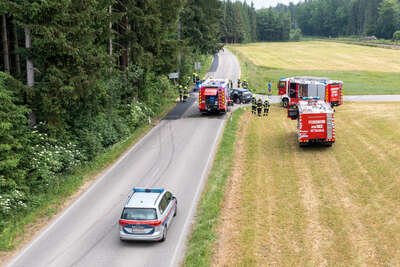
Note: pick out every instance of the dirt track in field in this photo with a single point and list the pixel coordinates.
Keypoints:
(316, 206)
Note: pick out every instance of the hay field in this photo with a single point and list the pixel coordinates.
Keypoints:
(318, 55)
(363, 69)
(291, 206)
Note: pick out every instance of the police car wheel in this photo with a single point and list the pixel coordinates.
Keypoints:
(164, 236)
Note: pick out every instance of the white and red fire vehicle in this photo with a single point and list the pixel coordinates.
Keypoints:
(315, 122)
(294, 89)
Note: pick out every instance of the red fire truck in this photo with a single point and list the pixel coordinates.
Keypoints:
(294, 89)
(316, 123)
(214, 96)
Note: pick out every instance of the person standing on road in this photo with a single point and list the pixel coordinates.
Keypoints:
(185, 94)
(245, 84)
(266, 107)
(259, 107)
(269, 88)
(253, 105)
(180, 93)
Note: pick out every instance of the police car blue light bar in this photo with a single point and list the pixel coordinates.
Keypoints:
(148, 190)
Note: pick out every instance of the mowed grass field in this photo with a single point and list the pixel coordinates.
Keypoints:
(315, 206)
(363, 69)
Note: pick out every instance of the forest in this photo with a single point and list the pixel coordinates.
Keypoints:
(320, 18)
(77, 77)
(333, 18)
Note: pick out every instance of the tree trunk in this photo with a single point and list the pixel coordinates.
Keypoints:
(6, 55)
(30, 76)
(180, 46)
(125, 48)
(110, 44)
(16, 53)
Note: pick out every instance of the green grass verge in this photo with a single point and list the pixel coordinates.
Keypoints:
(355, 82)
(206, 61)
(199, 251)
(51, 203)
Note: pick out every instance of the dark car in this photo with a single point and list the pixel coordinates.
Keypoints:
(241, 95)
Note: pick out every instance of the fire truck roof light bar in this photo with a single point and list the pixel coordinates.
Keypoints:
(310, 98)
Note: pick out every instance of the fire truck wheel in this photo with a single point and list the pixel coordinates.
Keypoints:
(302, 144)
(285, 103)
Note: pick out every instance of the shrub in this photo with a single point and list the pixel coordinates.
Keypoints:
(14, 136)
(11, 203)
(396, 36)
(90, 142)
(295, 35)
(49, 159)
(139, 113)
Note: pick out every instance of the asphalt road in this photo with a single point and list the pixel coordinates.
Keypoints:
(176, 154)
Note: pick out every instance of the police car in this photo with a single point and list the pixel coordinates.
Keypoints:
(147, 214)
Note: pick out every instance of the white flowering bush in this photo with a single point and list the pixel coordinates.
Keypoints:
(12, 202)
(139, 113)
(50, 158)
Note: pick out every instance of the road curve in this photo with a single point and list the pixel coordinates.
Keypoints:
(176, 154)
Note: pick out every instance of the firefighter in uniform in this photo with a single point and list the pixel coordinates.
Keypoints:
(253, 105)
(195, 77)
(238, 83)
(259, 107)
(185, 94)
(266, 107)
(244, 84)
(180, 93)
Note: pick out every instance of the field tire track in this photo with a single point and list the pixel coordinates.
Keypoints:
(358, 235)
(316, 235)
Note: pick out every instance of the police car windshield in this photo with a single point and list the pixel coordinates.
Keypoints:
(139, 214)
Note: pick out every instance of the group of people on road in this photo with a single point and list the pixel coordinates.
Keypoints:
(242, 84)
(184, 89)
(195, 77)
(260, 107)
(183, 93)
